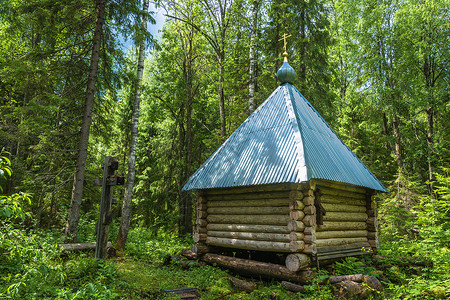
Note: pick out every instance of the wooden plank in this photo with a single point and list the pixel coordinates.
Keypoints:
(248, 228)
(270, 202)
(249, 219)
(355, 246)
(249, 210)
(256, 236)
(331, 226)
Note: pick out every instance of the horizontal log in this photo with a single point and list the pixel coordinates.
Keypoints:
(248, 228)
(243, 285)
(80, 246)
(202, 206)
(333, 207)
(296, 246)
(348, 252)
(309, 210)
(201, 199)
(341, 234)
(328, 226)
(200, 249)
(243, 203)
(249, 219)
(345, 216)
(342, 200)
(296, 236)
(309, 220)
(354, 277)
(201, 222)
(292, 287)
(310, 249)
(296, 262)
(332, 257)
(308, 200)
(253, 189)
(342, 186)
(308, 193)
(249, 210)
(199, 237)
(341, 193)
(295, 226)
(309, 239)
(249, 244)
(342, 248)
(340, 241)
(372, 235)
(295, 195)
(296, 215)
(257, 236)
(201, 214)
(296, 205)
(310, 230)
(189, 254)
(372, 221)
(257, 268)
(199, 229)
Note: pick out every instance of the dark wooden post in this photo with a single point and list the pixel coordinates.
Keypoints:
(105, 217)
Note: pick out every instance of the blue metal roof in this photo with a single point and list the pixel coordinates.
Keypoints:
(284, 140)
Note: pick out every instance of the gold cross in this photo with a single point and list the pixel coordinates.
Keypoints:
(285, 36)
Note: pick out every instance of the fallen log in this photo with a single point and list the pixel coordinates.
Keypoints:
(83, 247)
(292, 287)
(257, 268)
(354, 277)
(189, 254)
(243, 285)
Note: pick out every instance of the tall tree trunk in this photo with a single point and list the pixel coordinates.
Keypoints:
(126, 205)
(302, 72)
(77, 190)
(252, 58)
(430, 131)
(221, 97)
(398, 146)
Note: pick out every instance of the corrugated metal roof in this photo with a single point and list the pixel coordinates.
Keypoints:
(284, 140)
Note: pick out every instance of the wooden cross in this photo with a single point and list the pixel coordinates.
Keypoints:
(285, 36)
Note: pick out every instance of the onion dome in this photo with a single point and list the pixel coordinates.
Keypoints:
(286, 74)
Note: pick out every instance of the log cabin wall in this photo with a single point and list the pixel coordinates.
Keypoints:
(261, 218)
(349, 225)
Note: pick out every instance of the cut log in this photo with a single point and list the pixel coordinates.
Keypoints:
(341, 234)
(249, 244)
(310, 230)
(243, 285)
(292, 287)
(330, 207)
(308, 200)
(341, 193)
(201, 214)
(201, 199)
(308, 193)
(199, 237)
(355, 277)
(296, 215)
(329, 226)
(309, 239)
(295, 226)
(257, 236)
(309, 221)
(199, 229)
(248, 228)
(200, 249)
(296, 205)
(345, 217)
(296, 262)
(310, 249)
(202, 206)
(80, 246)
(249, 219)
(257, 202)
(296, 246)
(309, 210)
(295, 195)
(249, 210)
(201, 222)
(296, 236)
(256, 268)
(342, 200)
(340, 241)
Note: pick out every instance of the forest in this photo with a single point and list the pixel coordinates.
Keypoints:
(72, 93)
